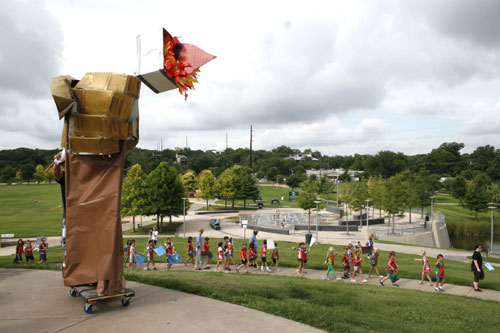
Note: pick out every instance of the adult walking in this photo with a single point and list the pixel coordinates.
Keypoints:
(477, 266)
(199, 248)
(253, 240)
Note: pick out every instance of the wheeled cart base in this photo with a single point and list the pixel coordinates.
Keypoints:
(89, 293)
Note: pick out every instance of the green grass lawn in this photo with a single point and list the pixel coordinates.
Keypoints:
(440, 198)
(30, 210)
(267, 193)
(456, 272)
(331, 306)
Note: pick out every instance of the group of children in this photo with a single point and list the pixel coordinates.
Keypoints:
(26, 249)
(352, 259)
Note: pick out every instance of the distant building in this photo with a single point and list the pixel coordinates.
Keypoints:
(300, 157)
(181, 159)
(334, 174)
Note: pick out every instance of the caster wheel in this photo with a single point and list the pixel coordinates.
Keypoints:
(125, 301)
(72, 292)
(87, 308)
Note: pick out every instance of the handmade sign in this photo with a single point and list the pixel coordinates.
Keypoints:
(270, 244)
(101, 123)
(139, 258)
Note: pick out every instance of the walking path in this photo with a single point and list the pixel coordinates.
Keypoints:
(36, 300)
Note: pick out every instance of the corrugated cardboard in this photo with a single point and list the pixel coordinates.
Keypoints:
(104, 102)
(60, 87)
(97, 146)
(126, 84)
(89, 125)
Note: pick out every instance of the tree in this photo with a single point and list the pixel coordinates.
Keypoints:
(164, 193)
(133, 193)
(39, 174)
(271, 174)
(207, 186)
(27, 171)
(411, 198)
(245, 184)
(225, 185)
(477, 195)
(8, 173)
(423, 189)
(189, 181)
(307, 197)
(49, 176)
(293, 181)
(395, 190)
(280, 179)
(376, 193)
(359, 196)
(458, 187)
(19, 177)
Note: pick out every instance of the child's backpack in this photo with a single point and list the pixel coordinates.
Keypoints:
(394, 277)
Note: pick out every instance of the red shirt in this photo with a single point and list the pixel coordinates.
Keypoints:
(243, 253)
(252, 255)
(206, 247)
(391, 264)
(330, 258)
(345, 260)
(43, 248)
(190, 248)
(440, 269)
(263, 251)
(28, 249)
(357, 262)
(304, 254)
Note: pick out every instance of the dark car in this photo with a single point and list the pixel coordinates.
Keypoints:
(215, 224)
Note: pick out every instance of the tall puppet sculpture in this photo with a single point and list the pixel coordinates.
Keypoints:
(101, 123)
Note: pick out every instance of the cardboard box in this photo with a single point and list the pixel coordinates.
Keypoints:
(104, 102)
(96, 146)
(89, 125)
(126, 84)
(60, 87)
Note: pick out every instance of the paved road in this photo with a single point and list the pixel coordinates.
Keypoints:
(35, 300)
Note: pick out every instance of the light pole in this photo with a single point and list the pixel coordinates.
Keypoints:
(317, 202)
(184, 201)
(492, 220)
(432, 206)
(337, 183)
(367, 211)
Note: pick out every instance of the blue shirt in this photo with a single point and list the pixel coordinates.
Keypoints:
(253, 240)
(199, 241)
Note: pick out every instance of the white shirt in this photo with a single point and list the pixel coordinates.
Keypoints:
(154, 235)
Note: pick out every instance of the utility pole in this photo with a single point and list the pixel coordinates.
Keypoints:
(226, 140)
(186, 141)
(251, 139)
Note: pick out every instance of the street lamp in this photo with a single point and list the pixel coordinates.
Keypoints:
(184, 201)
(317, 202)
(337, 183)
(367, 211)
(432, 206)
(492, 220)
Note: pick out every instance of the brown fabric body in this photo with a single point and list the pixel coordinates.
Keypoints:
(94, 243)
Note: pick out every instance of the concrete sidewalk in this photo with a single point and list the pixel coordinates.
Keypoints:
(36, 300)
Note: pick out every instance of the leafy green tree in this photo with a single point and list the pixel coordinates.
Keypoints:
(27, 171)
(271, 174)
(359, 196)
(133, 193)
(293, 181)
(245, 184)
(39, 174)
(19, 176)
(307, 197)
(8, 173)
(411, 198)
(49, 176)
(477, 195)
(225, 185)
(376, 193)
(423, 189)
(189, 181)
(395, 190)
(207, 186)
(280, 179)
(164, 193)
(458, 187)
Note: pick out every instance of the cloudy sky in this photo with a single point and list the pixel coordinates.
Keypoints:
(341, 77)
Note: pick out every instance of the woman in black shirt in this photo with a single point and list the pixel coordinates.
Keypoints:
(477, 266)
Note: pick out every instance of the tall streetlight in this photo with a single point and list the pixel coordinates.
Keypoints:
(317, 202)
(184, 201)
(492, 221)
(432, 206)
(337, 183)
(367, 211)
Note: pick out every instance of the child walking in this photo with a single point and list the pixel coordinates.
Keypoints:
(150, 253)
(231, 251)
(170, 249)
(206, 250)
(392, 269)
(426, 268)
(357, 266)
(243, 256)
(330, 261)
(190, 251)
(276, 257)
(345, 263)
(252, 255)
(28, 251)
(220, 257)
(263, 256)
(133, 253)
(374, 263)
(301, 257)
(127, 251)
(440, 280)
(19, 252)
(43, 248)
